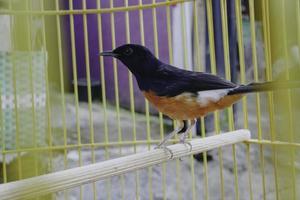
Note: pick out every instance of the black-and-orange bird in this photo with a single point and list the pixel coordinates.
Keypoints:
(181, 94)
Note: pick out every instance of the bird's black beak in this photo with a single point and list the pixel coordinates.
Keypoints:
(108, 53)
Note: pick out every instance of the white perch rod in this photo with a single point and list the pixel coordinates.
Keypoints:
(49, 183)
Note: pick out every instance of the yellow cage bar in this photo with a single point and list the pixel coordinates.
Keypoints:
(62, 106)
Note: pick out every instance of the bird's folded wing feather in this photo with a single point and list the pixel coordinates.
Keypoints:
(171, 81)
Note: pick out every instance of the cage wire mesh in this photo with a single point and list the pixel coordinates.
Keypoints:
(51, 77)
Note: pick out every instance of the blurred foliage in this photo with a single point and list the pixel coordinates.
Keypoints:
(3, 4)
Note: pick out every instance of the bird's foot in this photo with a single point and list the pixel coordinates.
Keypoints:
(183, 141)
(166, 149)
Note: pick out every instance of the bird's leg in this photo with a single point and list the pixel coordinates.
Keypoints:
(169, 136)
(186, 132)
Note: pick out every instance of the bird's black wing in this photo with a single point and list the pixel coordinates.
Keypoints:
(171, 81)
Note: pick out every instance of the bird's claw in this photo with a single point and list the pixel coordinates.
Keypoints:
(187, 143)
(165, 148)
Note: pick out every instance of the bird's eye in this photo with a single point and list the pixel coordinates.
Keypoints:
(128, 51)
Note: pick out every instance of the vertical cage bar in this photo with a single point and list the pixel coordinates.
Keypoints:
(147, 112)
(298, 22)
(184, 44)
(11, 25)
(289, 100)
(156, 52)
(184, 34)
(156, 49)
(131, 94)
(116, 86)
(3, 154)
(168, 13)
(48, 103)
(267, 52)
(239, 26)
(249, 171)
(298, 42)
(198, 65)
(75, 84)
(17, 119)
(142, 32)
(29, 25)
(257, 100)
(214, 71)
(170, 48)
(103, 92)
(62, 90)
(205, 168)
(228, 77)
(88, 76)
(258, 109)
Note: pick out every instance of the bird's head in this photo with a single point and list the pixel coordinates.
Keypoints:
(139, 60)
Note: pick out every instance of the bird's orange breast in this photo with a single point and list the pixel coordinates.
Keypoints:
(186, 106)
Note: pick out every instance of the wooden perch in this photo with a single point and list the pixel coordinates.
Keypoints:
(49, 183)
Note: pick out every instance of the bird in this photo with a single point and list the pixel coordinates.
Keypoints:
(181, 94)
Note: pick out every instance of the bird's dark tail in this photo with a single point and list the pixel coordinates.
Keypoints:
(265, 86)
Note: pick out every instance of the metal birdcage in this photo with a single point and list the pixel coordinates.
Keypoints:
(49, 46)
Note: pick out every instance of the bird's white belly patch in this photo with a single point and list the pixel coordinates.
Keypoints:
(205, 97)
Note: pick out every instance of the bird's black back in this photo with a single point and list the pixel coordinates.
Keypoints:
(171, 81)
